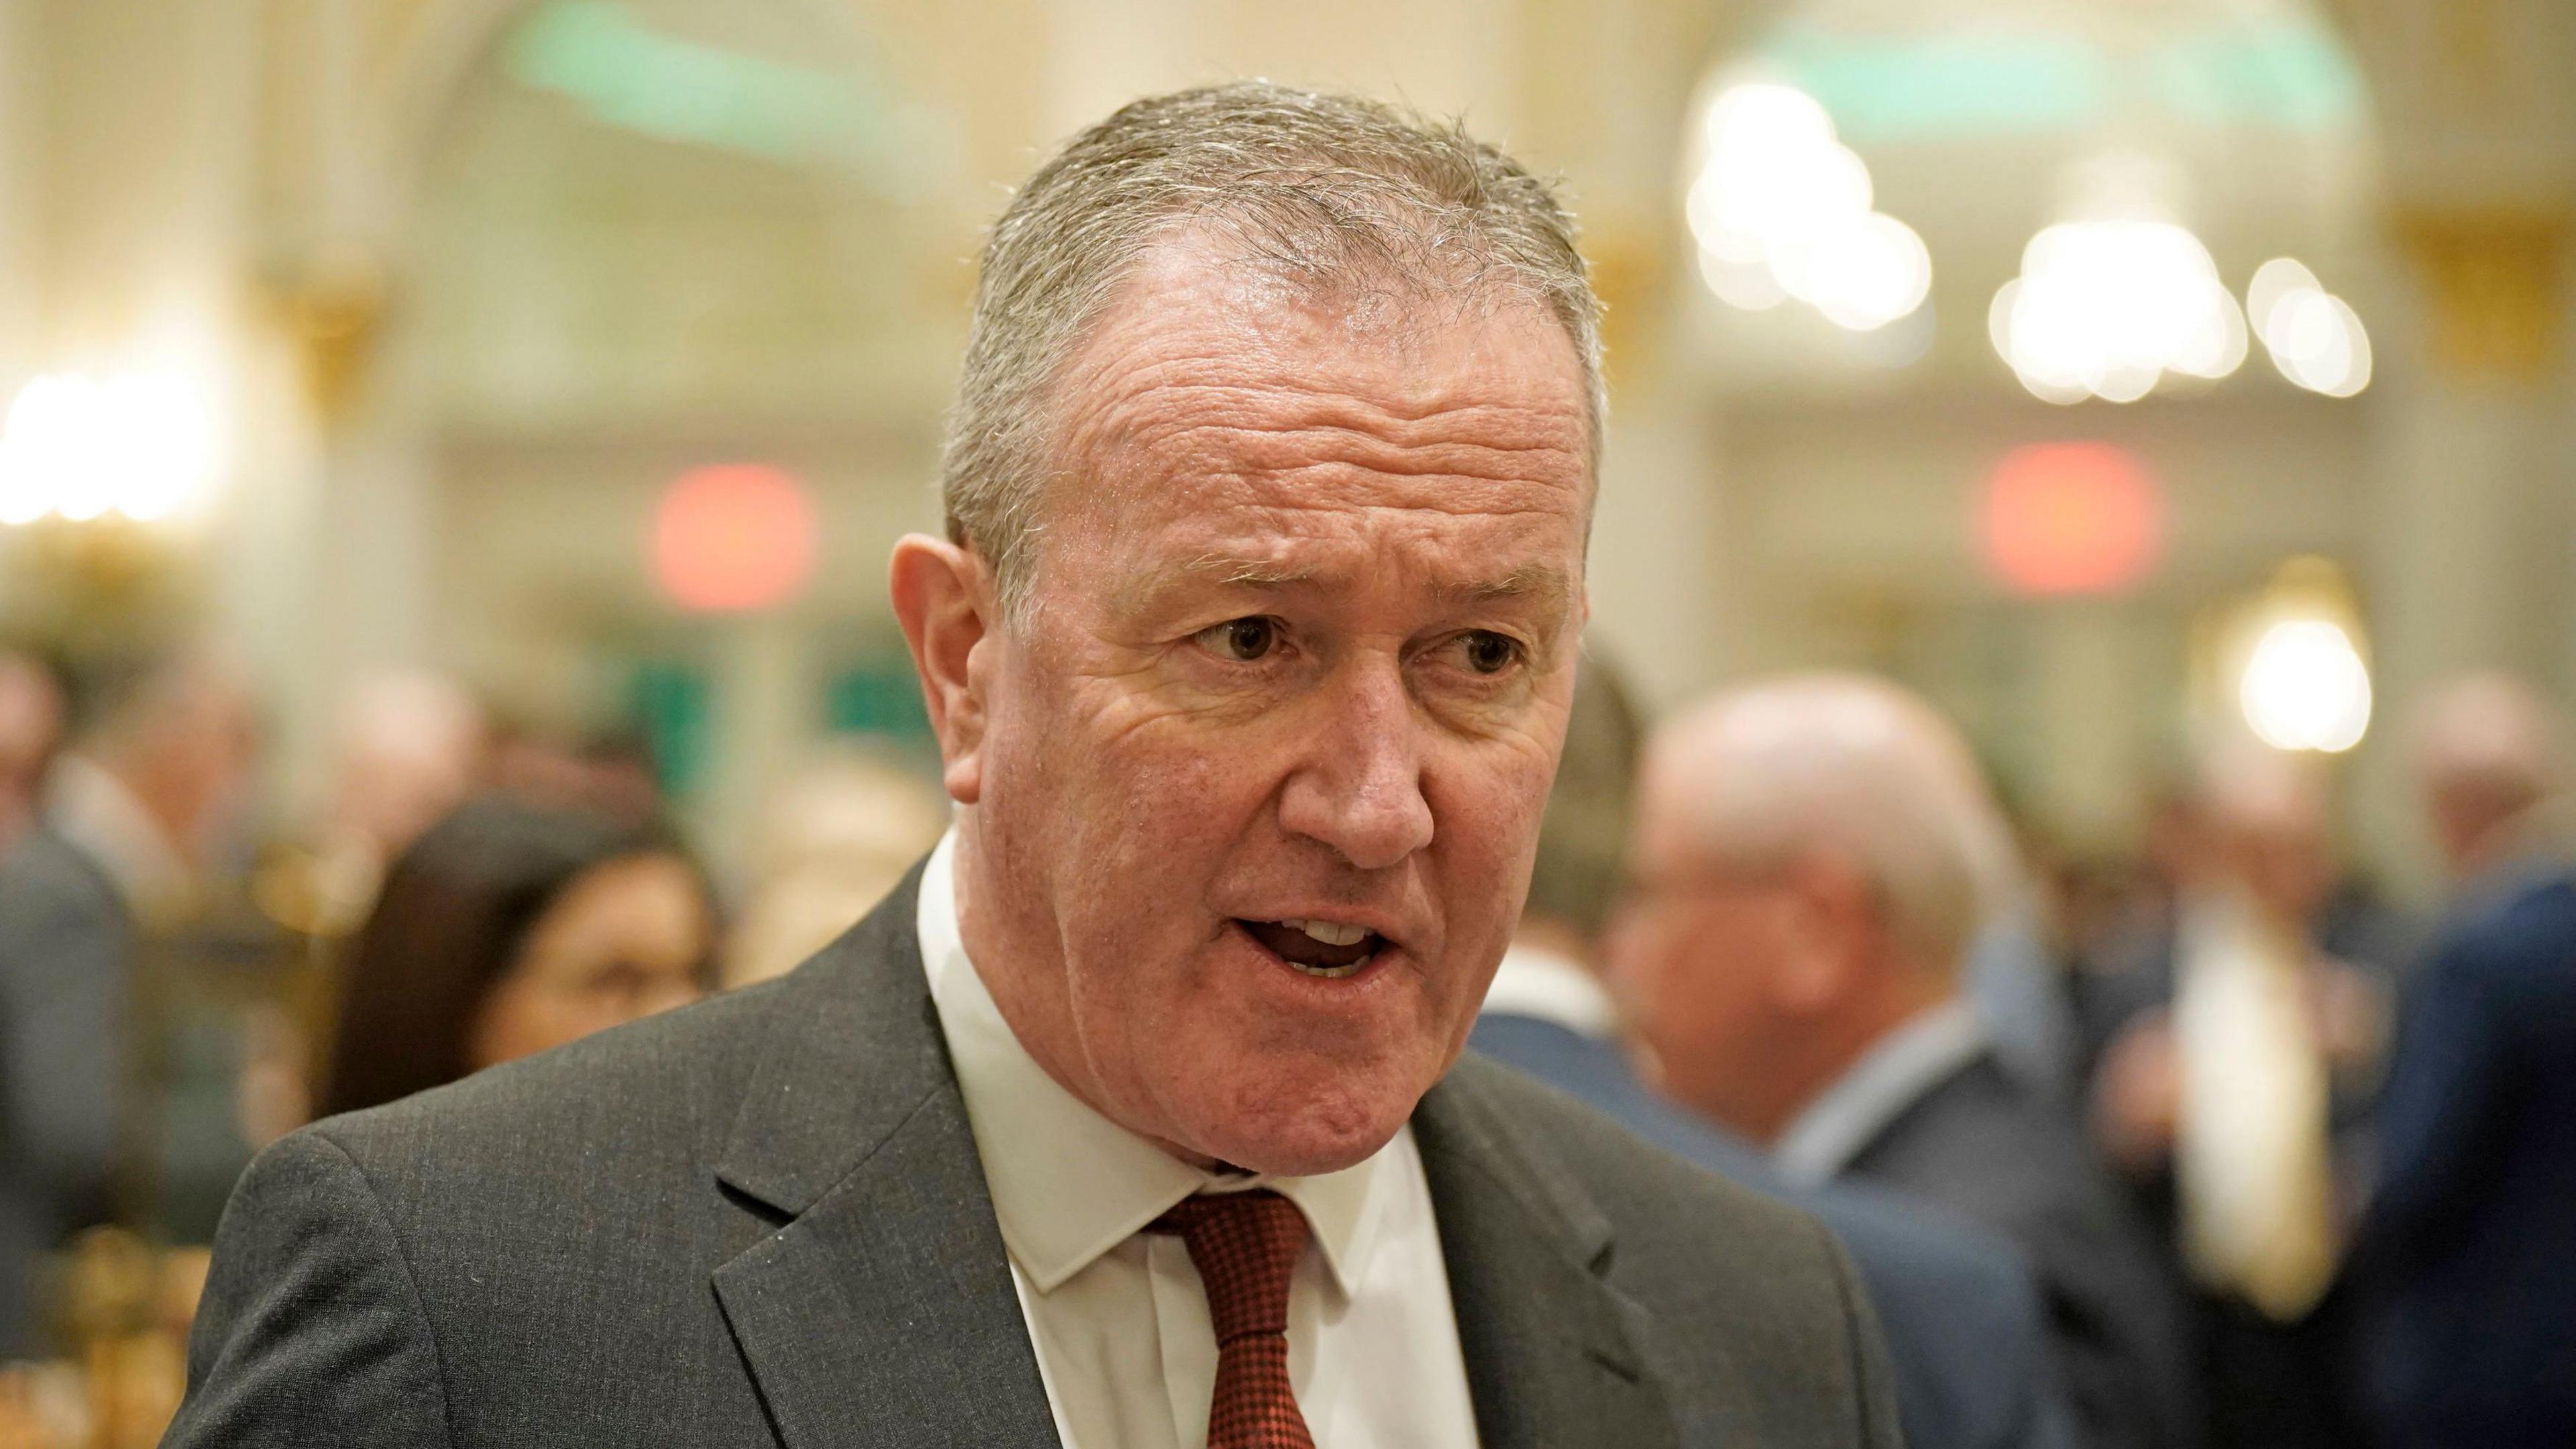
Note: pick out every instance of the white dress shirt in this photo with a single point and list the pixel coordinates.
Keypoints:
(1118, 1317)
(1544, 986)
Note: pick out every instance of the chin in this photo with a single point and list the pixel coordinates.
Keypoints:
(1302, 1129)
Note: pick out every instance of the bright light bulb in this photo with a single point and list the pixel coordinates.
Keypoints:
(1762, 116)
(2105, 308)
(2274, 281)
(2315, 337)
(2306, 688)
(161, 446)
(53, 432)
(139, 445)
(1871, 273)
(1776, 191)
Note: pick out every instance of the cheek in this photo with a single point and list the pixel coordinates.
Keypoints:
(1486, 805)
(518, 1019)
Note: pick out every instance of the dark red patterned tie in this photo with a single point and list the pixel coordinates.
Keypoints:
(1245, 1245)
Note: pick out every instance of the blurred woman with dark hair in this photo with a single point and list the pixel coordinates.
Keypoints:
(509, 928)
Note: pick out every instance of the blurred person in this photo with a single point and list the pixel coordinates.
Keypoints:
(2238, 1097)
(161, 755)
(409, 746)
(31, 728)
(611, 771)
(834, 839)
(2465, 1268)
(1137, 1117)
(508, 929)
(1809, 856)
(1961, 1312)
(406, 747)
(2018, 985)
(2257, 825)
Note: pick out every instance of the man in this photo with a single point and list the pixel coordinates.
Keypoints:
(1807, 860)
(1124, 1123)
(2237, 1097)
(1961, 1313)
(163, 751)
(31, 726)
(2466, 1263)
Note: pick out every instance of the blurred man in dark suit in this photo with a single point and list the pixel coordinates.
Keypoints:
(1964, 1331)
(1129, 1120)
(1808, 866)
(2465, 1269)
(163, 748)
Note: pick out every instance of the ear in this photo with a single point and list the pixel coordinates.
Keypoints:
(1832, 923)
(945, 600)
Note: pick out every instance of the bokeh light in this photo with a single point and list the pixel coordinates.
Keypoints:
(732, 538)
(2109, 308)
(2306, 687)
(1782, 210)
(2315, 338)
(140, 444)
(2072, 518)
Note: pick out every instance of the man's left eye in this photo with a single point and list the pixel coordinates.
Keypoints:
(1241, 640)
(1487, 652)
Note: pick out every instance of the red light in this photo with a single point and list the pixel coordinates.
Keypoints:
(733, 537)
(2073, 518)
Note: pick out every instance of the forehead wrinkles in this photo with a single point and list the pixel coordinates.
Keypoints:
(1194, 343)
(1284, 424)
(1211, 433)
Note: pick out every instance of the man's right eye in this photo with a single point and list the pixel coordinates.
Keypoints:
(1241, 640)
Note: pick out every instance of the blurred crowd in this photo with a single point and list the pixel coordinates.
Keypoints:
(185, 978)
(2279, 1164)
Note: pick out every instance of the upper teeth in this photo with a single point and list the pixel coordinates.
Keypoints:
(1331, 933)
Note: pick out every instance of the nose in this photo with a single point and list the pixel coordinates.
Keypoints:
(1359, 786)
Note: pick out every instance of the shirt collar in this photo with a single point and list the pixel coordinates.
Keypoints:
(1068, 1184)
(1890, 1077)
(1544, 985)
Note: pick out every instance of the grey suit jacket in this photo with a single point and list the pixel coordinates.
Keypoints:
(762, 1221)
(67, 949)
(1981, 1144)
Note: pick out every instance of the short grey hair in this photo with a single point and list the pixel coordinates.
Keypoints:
(1328, 190)
(1856, 768)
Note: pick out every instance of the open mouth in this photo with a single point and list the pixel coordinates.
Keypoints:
(1327, 949)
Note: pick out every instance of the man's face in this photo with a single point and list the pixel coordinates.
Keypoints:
(1299, 649)
(1695, 955)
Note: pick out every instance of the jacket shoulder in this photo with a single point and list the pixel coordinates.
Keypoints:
(47, 883)
(631, 1095)
(1660, 1206)
(2525, 943)
(1751, 1311)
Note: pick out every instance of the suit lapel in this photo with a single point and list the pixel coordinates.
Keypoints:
(881, 1311)
(1555, 1354)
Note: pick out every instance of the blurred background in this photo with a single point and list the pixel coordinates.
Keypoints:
(410, 396)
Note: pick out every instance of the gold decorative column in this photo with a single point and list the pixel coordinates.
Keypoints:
(2491, 285)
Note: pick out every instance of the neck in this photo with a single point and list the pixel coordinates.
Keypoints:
(158, 806)
(1839, 1045)
(1028, 1001)
(2478, 851)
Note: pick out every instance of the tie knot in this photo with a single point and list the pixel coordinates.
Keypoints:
(1245, 1246)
